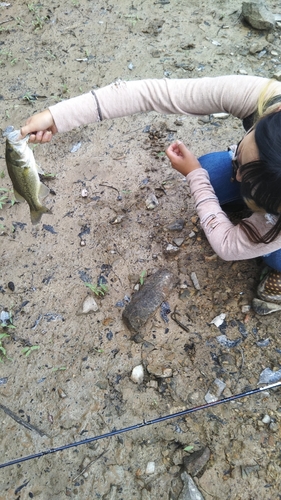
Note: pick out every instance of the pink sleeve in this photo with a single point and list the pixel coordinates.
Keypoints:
(234, 94)
(229, 241)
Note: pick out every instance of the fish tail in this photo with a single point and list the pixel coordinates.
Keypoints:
(37, 214)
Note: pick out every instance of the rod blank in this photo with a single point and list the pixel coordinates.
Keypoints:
(141, 424)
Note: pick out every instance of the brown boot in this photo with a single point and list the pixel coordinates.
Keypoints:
(269, 288)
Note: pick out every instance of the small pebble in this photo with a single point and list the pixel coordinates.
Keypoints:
(137, 374)
(266, 419)
(61, 393)
(11, 286)
(171, 249)
(151, 202)
(150, 468)
(195, 281)
(245, 308)
(87, 306)
(218, 320)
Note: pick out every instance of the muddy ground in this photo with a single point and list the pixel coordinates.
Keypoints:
(77, 383)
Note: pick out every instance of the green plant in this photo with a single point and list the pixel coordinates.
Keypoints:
(28, 97)
(28, 350)
(64, 89)
(39, 20)
(6, 197)
(28, 64)
(3, 352)
(142, 276)
(2, 174)
(59, 368)
(99, 290)
(188, 448)
(52, 56)
(96, 349)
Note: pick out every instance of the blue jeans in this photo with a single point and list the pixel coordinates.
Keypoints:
(219, 167)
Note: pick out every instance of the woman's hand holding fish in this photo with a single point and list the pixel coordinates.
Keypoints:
(181, 158)
(41, 127)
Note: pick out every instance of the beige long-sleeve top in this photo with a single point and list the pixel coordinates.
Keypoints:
(234, 94)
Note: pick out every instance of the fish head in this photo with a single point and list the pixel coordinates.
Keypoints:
(16, 147)
(14, 136)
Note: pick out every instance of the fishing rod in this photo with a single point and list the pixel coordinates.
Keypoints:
(141, 424)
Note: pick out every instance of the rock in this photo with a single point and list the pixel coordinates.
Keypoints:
(266, 419)
(274, 427)
(171, 249)
(159, 371)
(256, 47)
(151, 202)
(137, 374)
(277, 76)
(268, 376)
(145, 301)
(61, 393)
(190, 490)
(178, 241)
(215, 391)
(177, 225)
(258, 15)
(150, 468)
(87, 306)
(196, 461)
(195, 281)
(220, 116)
(218, 320)
(178, 456)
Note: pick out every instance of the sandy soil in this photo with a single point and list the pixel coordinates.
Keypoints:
(77, 383)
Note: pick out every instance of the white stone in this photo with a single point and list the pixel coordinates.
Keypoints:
(266, 419)
(221, 116)
(218, 320)
(88, 305)
(137, 374)
(150, 468)
(151, 202)
(245, 308)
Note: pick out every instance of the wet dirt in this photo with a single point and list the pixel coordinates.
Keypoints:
(77, 383)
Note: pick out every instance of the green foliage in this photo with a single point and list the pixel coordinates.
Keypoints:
(3, 352)
(142, 276)
(38, 20)
(6, 197)
(96, 349)
(99, 290)
(28, 350)
(188, 448)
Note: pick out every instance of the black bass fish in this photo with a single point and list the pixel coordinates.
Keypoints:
(24, 174)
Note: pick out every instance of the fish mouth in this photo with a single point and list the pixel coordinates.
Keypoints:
(14, 136)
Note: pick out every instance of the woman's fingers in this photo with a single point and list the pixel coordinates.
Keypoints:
(181, 158)
(41, 127)
(41, 137)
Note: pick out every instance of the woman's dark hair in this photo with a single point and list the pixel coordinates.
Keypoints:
(261, 179)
